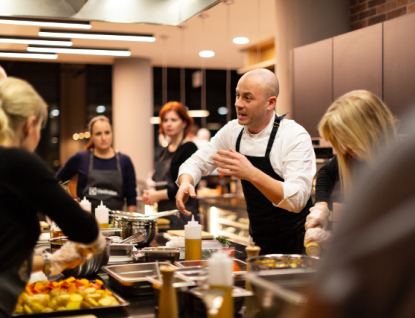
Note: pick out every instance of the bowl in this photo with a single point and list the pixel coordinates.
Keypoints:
(282, 261)
(91, 266)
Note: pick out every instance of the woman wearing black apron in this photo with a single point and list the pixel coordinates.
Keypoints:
(103, 174)
(175, 123)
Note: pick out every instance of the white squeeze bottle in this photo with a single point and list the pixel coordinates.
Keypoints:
(102, 216)
(220, 278)
(86, 205)
(192, 241)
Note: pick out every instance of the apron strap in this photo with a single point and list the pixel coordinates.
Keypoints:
(274, 131)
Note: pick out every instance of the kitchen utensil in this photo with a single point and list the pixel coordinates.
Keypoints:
(152, 254)
(137, 237)
(92, 264)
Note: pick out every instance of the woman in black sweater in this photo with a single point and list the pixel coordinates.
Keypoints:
(175, 123)
(28, 186)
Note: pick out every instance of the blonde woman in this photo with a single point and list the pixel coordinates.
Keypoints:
(27, 186)
(357, 125)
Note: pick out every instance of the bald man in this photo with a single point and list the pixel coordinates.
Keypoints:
(273, 157)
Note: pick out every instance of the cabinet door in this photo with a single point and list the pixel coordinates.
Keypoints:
(357, 61)
(399, 64)
(312, 83)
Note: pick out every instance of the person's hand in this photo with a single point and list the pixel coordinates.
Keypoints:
(150, 197)
(67, 256)
(318, 217)
(233, 164)
(318, 235)
(95, 247)
(185, 191)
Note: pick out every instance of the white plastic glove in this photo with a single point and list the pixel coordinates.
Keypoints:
(95, 247)
(318, 235)
(318, 217)
(66, 256)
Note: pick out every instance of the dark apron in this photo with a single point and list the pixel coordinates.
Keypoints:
(105, 186)
(163, 179)
(274, 229)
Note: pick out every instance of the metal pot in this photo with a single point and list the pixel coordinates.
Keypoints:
(91, 266)
(132, 222)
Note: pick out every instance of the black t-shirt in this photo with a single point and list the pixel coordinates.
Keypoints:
(27, 186)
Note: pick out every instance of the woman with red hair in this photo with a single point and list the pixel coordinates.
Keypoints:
(175, 124)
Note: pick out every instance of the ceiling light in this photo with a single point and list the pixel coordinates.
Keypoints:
(79, 50)
(100, 109)
(198, 113)
(27, 55)
(240, 40)
(206, 53)
(97, 35)
(51, 23)
(34, 40)
(155, 120)
(222, 110)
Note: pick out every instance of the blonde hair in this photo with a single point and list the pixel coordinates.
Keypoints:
(18, 101)
(358, 122)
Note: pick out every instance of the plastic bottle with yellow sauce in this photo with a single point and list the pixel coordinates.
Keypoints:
(102, 215)
(220, 277)
(192, 241)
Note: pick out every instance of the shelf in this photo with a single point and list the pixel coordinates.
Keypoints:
(234, 224)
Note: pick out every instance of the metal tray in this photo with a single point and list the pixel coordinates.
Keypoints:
(130, 279)
(203, 264)
(122, 303)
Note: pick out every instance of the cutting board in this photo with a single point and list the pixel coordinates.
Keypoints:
(205, 235)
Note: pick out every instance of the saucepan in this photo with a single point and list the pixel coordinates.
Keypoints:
(131, 223)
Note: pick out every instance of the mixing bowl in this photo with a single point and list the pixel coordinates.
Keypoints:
(91, 266)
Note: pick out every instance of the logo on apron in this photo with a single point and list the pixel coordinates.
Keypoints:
(97, 191)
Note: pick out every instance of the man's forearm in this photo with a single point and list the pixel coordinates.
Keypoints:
(272, 189)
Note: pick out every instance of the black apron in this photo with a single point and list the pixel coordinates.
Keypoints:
(164, 180)
(105, 186)
(274, 229)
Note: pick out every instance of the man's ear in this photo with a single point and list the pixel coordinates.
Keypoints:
(272, 102)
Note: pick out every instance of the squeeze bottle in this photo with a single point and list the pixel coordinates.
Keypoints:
(192, 241)
(86, 205)
(220, 277)
(102, 216)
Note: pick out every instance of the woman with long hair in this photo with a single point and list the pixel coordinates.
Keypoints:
(175, 124)
(358, 124)
(28, 186)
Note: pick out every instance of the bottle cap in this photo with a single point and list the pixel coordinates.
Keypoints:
(193, 230)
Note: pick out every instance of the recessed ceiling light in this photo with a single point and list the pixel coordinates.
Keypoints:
(240, 40)
(222, 110)
(97, 35)
(206, 53)
(100, 109)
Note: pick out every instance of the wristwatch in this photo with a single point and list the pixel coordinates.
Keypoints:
(46, 263)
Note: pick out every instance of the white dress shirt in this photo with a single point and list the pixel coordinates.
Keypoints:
(292, 157)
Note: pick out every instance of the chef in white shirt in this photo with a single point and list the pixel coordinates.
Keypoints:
(273, 157)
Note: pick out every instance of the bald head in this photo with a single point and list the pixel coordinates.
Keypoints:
(267, 79)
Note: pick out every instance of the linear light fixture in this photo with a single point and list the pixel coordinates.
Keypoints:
(50, 23)
(192, 113)
(79, 50)
(28, 55)
(34, 40)
(97, 35)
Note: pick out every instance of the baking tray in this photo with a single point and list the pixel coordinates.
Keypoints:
(122, 303)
